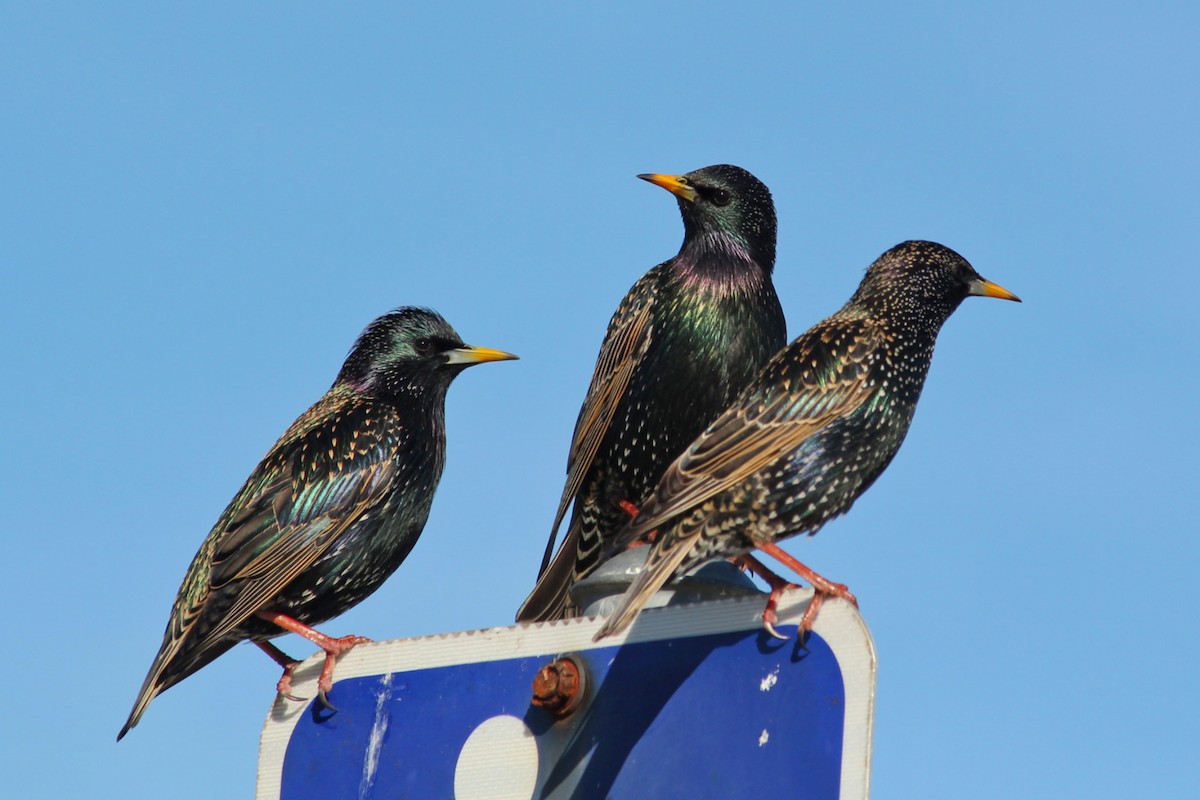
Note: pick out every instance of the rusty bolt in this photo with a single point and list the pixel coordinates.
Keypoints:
(558, 687)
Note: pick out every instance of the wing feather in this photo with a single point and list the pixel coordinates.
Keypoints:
(802, 389)
(299, 500)
(627, 339)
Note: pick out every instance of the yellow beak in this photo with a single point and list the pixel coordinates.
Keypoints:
(985, 288)
(476, 355)
(675, 184)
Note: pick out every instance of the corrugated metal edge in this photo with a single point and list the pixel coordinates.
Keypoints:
(839, 624)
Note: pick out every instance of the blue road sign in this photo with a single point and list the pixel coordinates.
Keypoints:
(694, 701)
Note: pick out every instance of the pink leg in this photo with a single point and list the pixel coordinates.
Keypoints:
(632, 510)
(823, 587)
(332, 647)
(284, 687)
(777, 584)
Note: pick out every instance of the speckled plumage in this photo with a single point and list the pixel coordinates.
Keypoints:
(814, 429)
(685, 339)
(333, 508)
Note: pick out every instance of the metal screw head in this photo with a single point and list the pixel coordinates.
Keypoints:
(558, 687)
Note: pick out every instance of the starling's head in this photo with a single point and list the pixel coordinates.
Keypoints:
(925, 280)
(410, 350)
(724, 207)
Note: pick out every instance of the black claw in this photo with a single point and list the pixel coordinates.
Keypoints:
(771, 630)
(324, 698)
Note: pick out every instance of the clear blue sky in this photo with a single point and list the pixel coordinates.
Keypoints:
(203, 205)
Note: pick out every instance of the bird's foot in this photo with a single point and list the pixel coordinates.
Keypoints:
(778, 586)
(628, 507)
(332, 647)
(284, 687)
(645, 540)
(289, 664)
(769, 617)
(831, 589)
(819, 583)
(632, 510)
(822, 587)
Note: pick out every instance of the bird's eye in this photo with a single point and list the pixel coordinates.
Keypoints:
(720, 197)
(424, 346)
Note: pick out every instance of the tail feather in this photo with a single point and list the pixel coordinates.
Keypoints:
(171, 665)
(153, 685)
(549, 599)
(148, 692)
(665, 557)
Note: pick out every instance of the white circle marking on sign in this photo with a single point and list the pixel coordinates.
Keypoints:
(499, 761)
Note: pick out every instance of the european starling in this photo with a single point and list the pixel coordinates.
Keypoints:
(811, 432)
(329, 513)
(684, 341)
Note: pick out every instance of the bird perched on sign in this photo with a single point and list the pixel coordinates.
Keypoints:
(684, 341)
(811, 433)
(329, 513)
